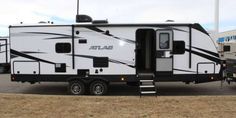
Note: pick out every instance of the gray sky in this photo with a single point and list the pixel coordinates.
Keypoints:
(117, 11)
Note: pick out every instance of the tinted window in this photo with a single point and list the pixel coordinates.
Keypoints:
(82, 41)
(179, 47)
(60, 67)
(63, 47)
(226, 48)
(164, 41)
(100, 61)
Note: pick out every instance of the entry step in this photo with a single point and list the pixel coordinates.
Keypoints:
(146, 80)
(146, 74)
(148, 92)
(147, 86)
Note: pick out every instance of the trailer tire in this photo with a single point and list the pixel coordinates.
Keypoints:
(76, 88)
(7, 69)
(4, 69)
(98, 88)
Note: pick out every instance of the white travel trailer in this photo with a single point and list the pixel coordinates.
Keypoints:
(90, 56)
(227, 52)
(4, 55)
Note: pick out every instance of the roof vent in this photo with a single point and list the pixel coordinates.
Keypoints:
(83, 18)
(42, 22)
(170, 21)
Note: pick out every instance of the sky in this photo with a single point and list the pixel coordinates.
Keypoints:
(117, 11)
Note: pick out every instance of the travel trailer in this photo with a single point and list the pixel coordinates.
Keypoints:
(227, 51)
(90, 56)
(4, 55)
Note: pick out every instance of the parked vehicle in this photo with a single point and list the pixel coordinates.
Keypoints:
(227, 52)
(90, 56)
(4, 55)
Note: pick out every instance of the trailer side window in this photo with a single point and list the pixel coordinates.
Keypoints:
(227, 48)
(164, 41)
(60, 67)
(63, 47)
(179, 47)
(100, 62)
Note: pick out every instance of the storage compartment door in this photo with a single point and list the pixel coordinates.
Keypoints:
(26, 68)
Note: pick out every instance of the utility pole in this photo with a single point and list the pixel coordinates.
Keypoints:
(215, 33)
(77, 7)
(217, 14)
(77, 15)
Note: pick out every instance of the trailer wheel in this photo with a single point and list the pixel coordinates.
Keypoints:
(98, 88)
(76, 88)
(7, 69)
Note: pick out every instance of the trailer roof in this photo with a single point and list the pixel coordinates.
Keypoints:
(103, 24)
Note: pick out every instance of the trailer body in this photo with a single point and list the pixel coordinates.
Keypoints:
(113, 53)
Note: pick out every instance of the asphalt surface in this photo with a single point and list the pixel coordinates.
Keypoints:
(164, 89)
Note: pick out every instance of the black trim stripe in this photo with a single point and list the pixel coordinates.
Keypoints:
(96, 29)
(65, 37)
(27, 52)
(16, 53)
(62, 36)
(190, 47)
(119, 62)
(124, 39)
(217, 60)
(185, 70)
(73, 46)
(198, 27)
(13, 56)
(207, 51)
(176, 29)
(32, 52)
(3, 52)
(110, 35)
(47, 33)
(110, 60)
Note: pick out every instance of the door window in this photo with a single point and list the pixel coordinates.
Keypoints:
(164, 41)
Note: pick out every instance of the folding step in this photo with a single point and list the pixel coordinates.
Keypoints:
(146, 83)
(146, 86)
(146, 74)
(146, 80)
(148, 92)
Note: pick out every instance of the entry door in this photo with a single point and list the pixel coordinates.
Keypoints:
(3, 53)
(164, 48)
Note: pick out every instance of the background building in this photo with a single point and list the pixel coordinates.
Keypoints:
(228, 36)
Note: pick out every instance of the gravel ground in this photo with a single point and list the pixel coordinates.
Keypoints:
(175, 100)
(41, 106)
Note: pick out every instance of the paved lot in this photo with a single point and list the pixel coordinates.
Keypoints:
(164, 89)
